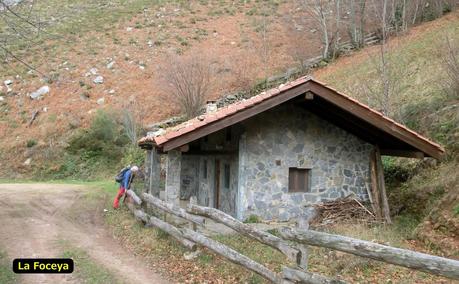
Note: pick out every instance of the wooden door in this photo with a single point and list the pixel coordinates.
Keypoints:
(217, 185)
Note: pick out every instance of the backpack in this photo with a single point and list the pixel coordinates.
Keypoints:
(119, 177)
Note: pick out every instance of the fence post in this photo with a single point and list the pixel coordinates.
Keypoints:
(303, 224)
(193, 201)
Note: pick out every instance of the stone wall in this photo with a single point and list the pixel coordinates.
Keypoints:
(338, 162)
(189, 177)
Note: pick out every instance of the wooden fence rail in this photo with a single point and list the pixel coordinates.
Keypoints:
(294, 251)
(277, 243)
(172, 209)
(402, 257)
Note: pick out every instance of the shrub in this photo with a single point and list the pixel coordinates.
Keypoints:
(189, 82)
(133, 155)
(31, 143)
(104, 138)
(253, 219)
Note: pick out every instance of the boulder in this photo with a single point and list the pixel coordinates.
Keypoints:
(99, 80)
(38, 94)
(28, 162)
(101, 101)
(93, 71)
(8, 82)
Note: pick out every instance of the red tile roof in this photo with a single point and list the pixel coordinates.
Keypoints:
(203, 120)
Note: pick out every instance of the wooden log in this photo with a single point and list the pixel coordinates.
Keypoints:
(382, 187)
(171, 230)
(172, 209)
(300, 276)
(402, 257)
(230, 254)
(375, 195)
(155, 222)
(135, 198)
(277, 243)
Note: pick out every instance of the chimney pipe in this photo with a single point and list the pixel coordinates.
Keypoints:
(211, 107)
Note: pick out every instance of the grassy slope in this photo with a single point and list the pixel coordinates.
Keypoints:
(424, 97)
(429, 195)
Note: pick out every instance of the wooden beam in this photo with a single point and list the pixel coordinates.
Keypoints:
(375, 195)
(300, 276)
(374, 119)
(277, 243)
(172, 209)
(382, 187)
(402, 257)
(236, 117)
(402, 153)
(230, 254)
(185, 148)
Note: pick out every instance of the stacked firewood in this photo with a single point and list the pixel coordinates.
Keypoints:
(343, 210)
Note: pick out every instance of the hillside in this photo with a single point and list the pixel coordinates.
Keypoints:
(79, 127)
(128, 43)
(423, 194)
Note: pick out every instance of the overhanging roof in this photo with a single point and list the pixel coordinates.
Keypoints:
(370, 125)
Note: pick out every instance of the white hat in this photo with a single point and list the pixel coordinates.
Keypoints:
(134, 168)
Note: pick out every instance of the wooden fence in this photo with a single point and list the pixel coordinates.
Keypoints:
(292, 243)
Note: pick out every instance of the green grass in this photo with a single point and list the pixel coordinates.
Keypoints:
(6, 273)
(86, 269)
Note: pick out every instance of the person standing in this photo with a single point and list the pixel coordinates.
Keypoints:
(125, 184)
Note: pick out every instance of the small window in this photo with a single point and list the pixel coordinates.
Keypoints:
(227, 176)
(204, 169)
(298, 180)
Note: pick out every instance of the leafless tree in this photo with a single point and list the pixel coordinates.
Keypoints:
(357, 10)
(390, 69)
(450, 63)
(327, 15)
(263, 21)
(189, 81)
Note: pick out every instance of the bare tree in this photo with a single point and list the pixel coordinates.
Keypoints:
(327, 15)
(390, 69)
(450, 63)
(189, 80)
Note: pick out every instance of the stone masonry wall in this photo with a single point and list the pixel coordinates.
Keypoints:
(290, 136)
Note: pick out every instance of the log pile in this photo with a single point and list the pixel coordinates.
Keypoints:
(343, 210)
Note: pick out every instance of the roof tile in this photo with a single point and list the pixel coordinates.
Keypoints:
(239, 106)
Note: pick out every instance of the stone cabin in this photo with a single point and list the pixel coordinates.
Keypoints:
(275, 154)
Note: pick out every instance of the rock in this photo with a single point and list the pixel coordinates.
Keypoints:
(110, 65)
(28, 162)
(8, 82)
(142, 67)
(101, 101)
(99, 80)
(39, 93)
(93, 71)
(191, 255)
(45, 109)
(159, 132)
(150, 43)
(112, 91)
(2, 99)
(129, 29)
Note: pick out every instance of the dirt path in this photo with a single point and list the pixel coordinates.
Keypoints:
(35, 217)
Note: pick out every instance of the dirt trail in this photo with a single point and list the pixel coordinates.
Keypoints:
(36, 216)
